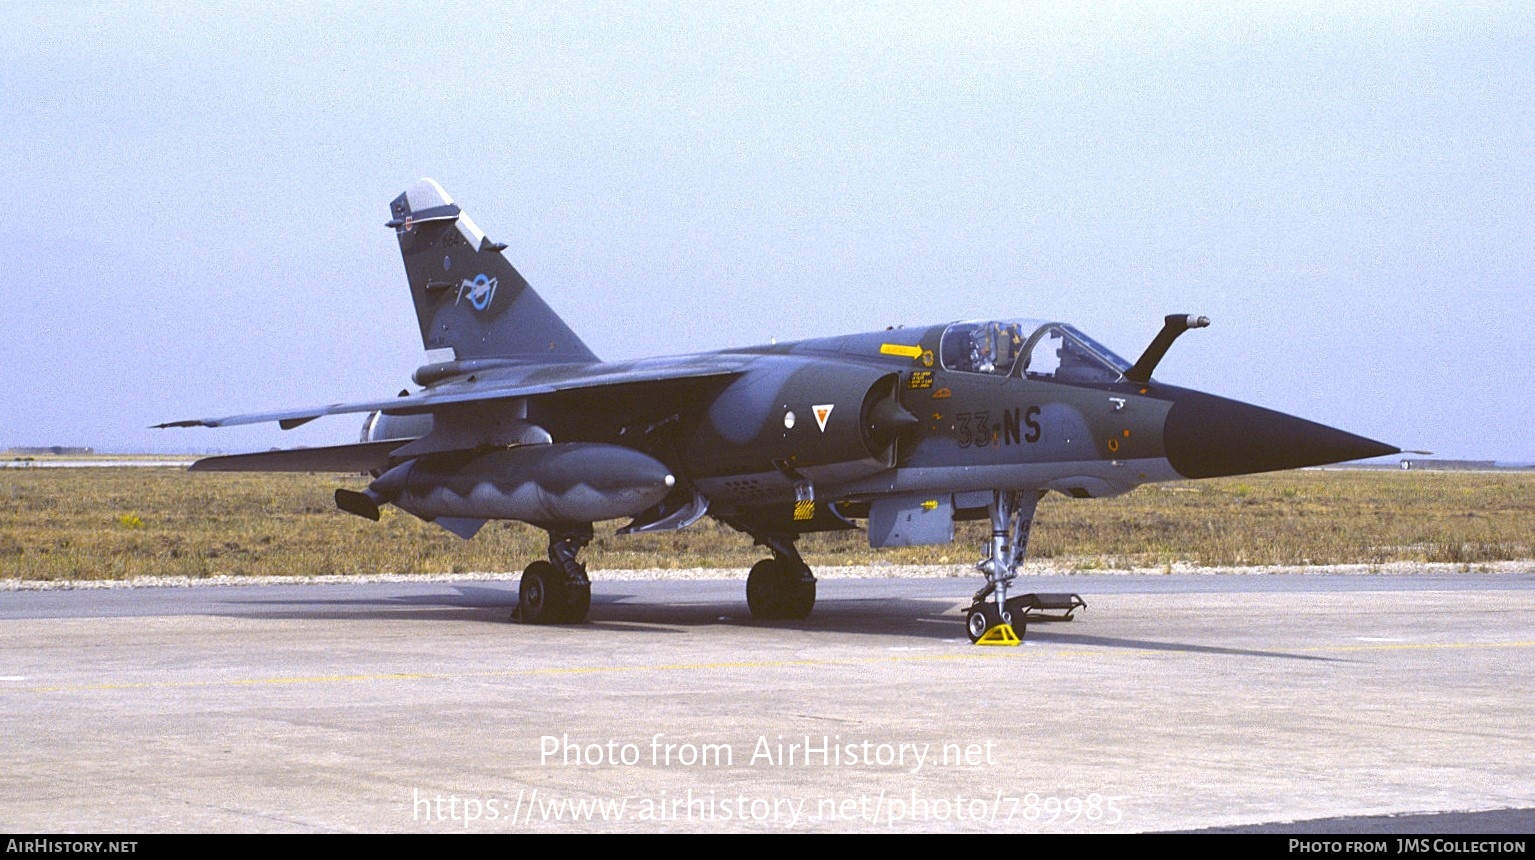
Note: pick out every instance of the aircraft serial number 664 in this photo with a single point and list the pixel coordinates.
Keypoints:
(907, 430)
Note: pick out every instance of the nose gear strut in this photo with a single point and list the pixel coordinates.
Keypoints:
(1012, 513)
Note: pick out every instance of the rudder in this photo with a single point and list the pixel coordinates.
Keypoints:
(467, 295)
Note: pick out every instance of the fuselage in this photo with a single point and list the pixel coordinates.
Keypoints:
(978, 406)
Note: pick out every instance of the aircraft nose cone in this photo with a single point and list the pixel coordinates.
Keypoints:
(1207, 436)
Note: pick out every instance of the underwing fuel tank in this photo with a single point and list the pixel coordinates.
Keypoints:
(556, 483)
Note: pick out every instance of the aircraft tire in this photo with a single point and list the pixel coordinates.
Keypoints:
(1013, 613)
(775, 593)
(798, 598)
(578, 601)
(979, 618)
(762, 591)
(984, 616)
(542, 596)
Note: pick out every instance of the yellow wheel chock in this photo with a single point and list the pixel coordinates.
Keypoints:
(1002, 634)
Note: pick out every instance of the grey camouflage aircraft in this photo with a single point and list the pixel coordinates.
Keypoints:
(907, 430)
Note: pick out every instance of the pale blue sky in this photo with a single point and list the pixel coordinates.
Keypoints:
(198, 194)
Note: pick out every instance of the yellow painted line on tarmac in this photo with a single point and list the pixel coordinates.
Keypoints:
(1421, 646)
(324, 679)
(512, 673)
(964, 654)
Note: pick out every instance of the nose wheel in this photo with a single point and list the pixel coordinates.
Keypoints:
(982, 617)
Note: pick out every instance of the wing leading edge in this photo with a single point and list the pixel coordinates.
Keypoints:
(471, 390)
(357, 457)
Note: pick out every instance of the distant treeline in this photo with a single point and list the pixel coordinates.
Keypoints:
(52, 449)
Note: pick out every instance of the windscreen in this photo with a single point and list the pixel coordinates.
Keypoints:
(1063, 354)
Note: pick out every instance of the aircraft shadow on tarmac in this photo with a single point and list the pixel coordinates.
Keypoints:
(929, 619)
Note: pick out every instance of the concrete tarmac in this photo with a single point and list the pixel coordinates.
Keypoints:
(1171, 703)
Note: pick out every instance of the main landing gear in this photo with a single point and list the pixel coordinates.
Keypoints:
(1012, 512)
(557, 591)
(781, 587)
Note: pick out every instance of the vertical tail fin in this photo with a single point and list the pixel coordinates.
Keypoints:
(467, 295)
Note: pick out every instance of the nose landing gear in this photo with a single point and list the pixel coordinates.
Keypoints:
(1012, 513)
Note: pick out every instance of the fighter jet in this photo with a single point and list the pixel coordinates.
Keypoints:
(900, 432)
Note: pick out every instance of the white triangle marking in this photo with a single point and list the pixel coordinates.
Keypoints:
(822, 413)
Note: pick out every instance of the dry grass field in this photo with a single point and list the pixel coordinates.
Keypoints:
(120, 523)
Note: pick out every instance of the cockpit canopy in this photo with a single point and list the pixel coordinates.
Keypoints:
(984, 347)
(1034, 348)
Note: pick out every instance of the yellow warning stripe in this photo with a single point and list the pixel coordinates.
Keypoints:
(900, 349)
